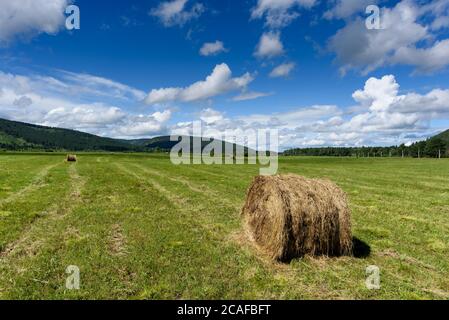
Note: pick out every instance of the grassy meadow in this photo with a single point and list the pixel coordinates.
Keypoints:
(139, 227)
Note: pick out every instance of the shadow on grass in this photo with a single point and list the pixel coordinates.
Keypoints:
(360, 249)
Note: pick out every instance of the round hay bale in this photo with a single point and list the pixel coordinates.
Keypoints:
(71, 158)
(289, 216)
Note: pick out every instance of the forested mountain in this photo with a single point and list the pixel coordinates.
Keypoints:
(443, 136)
(21, 136)
(165, 143)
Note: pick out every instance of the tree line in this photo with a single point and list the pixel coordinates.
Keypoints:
(431, 148)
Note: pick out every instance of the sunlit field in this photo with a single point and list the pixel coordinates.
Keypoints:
(139, 227)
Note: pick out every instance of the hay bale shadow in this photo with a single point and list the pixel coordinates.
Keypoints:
(360, 249)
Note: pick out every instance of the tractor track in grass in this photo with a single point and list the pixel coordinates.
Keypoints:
(117, 241)
(203, 189)
(36, 182)
(30, 240)
(179, 180)
(225, 176)
(162, 190)
(190, 210)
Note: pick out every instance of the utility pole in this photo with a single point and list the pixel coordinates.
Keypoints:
(439, 153)
(403, 153)
(419, 153)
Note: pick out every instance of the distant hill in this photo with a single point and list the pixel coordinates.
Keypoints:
(165, 143)
(21, 136)
(158, 142)
(443, 136)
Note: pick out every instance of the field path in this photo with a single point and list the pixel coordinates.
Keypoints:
(36, 182)
(29, 242)
(211, 194)
(166, 193)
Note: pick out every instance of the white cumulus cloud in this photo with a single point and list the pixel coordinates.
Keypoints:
(270, 45)
(211, 116)
(283, 70)
(212, 48)
(383, 116)
(405, 38)
(343, 9)
(64, 102)
(144, 125)
(378, 94)
(176, 13)
(26, 18)
(279, 13)
(219, 82)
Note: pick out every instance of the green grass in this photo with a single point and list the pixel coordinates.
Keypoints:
(139, 227)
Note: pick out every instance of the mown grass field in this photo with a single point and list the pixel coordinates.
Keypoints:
(139, 227)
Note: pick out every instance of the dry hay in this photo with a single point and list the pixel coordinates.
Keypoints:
(117, 241)
(289, 216)
(71, 158)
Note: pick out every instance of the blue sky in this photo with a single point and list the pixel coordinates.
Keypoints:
(309, 68)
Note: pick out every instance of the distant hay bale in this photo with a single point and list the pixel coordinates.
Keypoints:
(71, 158)
(289, 216)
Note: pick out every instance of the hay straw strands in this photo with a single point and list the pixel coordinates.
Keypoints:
(289, 216)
